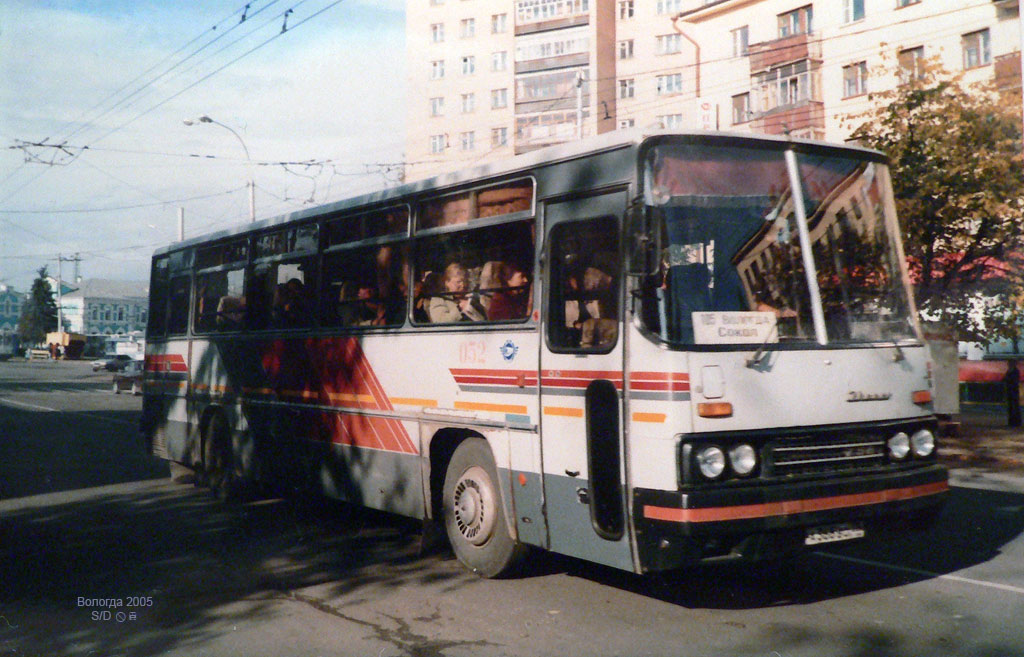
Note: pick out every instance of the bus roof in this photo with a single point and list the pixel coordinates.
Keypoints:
(520, 163)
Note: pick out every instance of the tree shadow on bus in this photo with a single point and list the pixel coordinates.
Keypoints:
(195, 565)
(972, 530)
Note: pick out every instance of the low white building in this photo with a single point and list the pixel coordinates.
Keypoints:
(107, 307)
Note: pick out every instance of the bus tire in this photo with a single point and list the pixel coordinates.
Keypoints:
(218, 461)
(474, 518)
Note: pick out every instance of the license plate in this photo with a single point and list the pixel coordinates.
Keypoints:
(833, 534)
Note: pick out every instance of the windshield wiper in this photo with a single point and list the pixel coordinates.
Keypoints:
(762, 351)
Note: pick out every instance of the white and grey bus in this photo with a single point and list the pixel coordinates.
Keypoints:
(645, 350)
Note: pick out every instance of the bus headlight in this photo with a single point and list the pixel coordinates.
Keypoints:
(899, 446)
(923, 442)
(743, 459)
(710, 461)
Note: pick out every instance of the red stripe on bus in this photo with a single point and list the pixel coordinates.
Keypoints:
(792, 507)
(661, 386)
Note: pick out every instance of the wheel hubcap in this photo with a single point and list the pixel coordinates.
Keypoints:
(474, 506)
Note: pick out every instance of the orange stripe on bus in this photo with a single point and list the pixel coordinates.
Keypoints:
(413, 401)
(498, 408)
(792, 507)
(650, 417)
(562, 411)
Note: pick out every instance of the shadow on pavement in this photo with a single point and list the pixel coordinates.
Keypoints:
(188, 561)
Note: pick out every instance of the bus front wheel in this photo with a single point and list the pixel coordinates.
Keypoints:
(473, 514)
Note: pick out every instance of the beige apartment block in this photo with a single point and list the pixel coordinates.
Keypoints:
(554, 82)
(492, 78)
(780, 66)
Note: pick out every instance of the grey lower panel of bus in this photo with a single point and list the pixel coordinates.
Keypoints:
(558, 519)
(570, 528)
(377, 479)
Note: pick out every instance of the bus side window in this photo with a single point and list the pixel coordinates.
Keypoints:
(177, 307)
(584, 313)
(479, 274)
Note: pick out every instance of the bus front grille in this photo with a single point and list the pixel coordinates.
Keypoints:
(810, 455)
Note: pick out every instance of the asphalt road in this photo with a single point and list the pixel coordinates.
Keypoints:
(103, 553)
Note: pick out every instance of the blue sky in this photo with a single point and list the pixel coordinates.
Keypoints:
(114, 80)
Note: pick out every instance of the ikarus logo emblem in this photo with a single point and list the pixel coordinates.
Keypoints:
(509, 350)
(861, 396)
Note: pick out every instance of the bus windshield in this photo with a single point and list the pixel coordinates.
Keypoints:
(732, 270)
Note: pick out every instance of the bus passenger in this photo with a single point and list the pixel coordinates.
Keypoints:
(512, 299)
(453, 304)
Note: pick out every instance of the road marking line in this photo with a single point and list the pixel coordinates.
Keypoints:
(47, 409)
(925, 573)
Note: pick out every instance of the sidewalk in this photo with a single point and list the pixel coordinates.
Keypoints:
(984, 441)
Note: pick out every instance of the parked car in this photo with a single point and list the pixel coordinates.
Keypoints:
(129, 378)
(113, 363)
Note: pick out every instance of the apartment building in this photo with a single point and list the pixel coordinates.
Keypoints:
(490, 78)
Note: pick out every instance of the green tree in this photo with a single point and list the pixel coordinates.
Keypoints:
(959, 185)
(39, 313)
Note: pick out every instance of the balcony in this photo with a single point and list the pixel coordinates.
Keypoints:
(804, 119)
(770, 54)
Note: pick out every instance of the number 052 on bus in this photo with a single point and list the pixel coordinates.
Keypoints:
(645, 350)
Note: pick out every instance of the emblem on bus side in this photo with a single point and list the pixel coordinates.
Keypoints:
(860, 396)
(509, 350)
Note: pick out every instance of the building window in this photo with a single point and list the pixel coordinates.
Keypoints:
(535, 11)
(468, 140)
(499, 98)
(855, 79)
(670, 6)
(499, 23)
(626, 49)
(468, 65)
(670, 84)
(626, 123)
(977, 50)
(670, 121)
(499, 61)
(468, 103)
(467, 28)
(627, 88)
(911, 64)
(906, 3)
(436, 106)
(741, 41)
(437, 32)
(853, 10)
(798, 21)
(669, 44)
(740, 108)
(437, 143)
(557, 43)
(499, 137)
(783, 85)
(437, 69)
(626, 9)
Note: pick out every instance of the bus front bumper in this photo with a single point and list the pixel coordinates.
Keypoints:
(761, 521)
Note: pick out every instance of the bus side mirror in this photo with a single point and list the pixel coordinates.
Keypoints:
(643, 240)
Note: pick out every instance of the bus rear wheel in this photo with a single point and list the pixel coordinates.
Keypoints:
(473, 513)
(218, 463)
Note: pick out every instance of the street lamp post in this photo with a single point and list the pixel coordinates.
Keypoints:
(251, 184)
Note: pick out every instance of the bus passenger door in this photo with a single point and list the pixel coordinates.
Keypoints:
(581, 381)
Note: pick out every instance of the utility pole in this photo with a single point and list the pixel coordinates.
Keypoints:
(579, 105)
(60, 286)
(60, 292)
